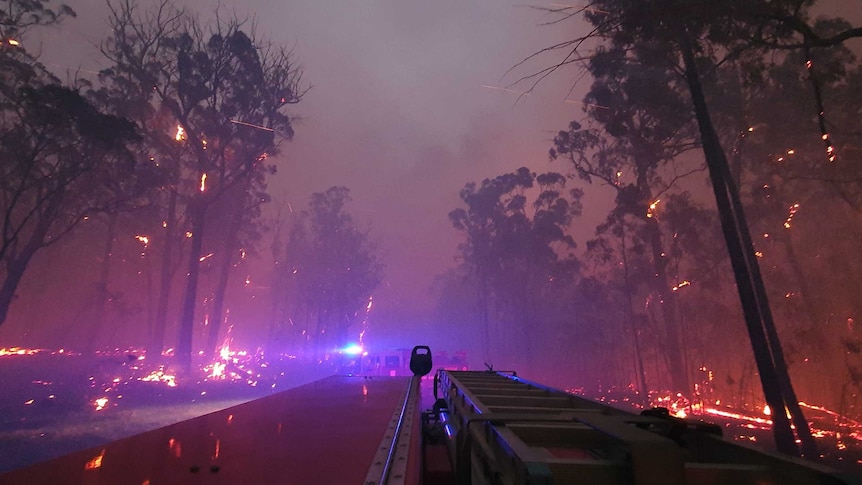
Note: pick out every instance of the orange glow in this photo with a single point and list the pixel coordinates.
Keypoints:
(18, 351)
(743, 417)
(160, 376)
(684, 283)
(175, 447)
(95, 462)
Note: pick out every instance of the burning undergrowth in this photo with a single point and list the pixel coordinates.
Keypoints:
(838, 437)
(56, 401)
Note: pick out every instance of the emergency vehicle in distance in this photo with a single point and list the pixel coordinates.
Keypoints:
(354, 360)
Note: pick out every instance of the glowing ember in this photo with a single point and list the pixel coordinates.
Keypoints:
(181, 134)
(218, 370)
(18, 351)
(160, 376)
(791, 212)
(682, 284)
(100, 403)
(652, 208)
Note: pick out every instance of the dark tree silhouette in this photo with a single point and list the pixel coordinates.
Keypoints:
(689, 38)
(333, 268)
(515, 249)
(61, 158)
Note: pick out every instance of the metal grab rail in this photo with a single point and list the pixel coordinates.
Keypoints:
(390, 455)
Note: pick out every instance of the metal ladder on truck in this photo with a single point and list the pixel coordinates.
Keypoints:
(500, 429)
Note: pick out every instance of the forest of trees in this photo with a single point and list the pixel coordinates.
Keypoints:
(159, 166)
(758, 100)
(726, 134)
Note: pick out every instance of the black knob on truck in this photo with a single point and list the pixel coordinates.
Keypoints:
(420, 360)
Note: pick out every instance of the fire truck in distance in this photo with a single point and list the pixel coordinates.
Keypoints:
(355, 360)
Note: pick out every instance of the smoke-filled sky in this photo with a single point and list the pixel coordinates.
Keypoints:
(400, 109)
(397, 110)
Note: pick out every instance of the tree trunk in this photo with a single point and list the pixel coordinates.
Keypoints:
(221, 288)
(102, 295)
(14, 272)
(157, 336)
(666, 300)
(187, 318)
(777, 388)
(15, 267)
(640, 373)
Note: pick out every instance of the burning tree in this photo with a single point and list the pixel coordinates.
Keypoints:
(225, 92)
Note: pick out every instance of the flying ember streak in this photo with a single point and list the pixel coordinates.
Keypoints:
(203, 182)
(507, 90)
(18, 351)
(652, 208)
(205, 257)
(259, 127)
(683, 283)
(791, 212)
